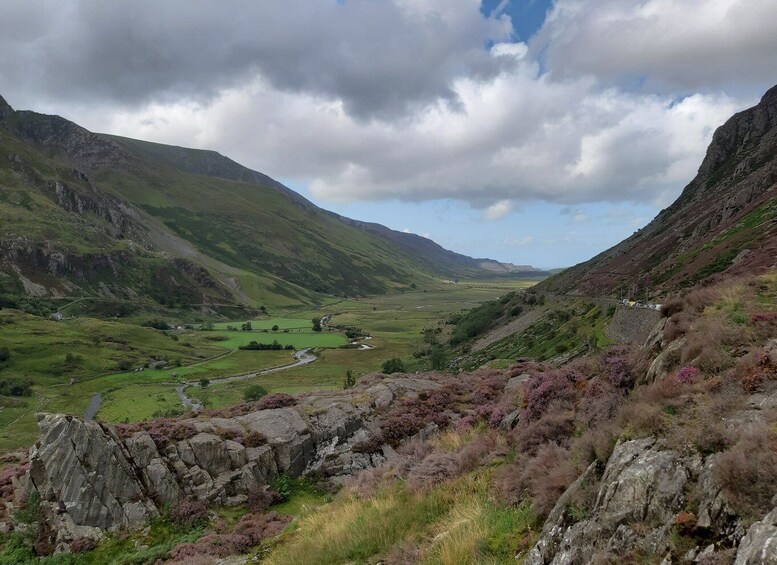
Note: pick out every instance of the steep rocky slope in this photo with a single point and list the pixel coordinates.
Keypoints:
(725, 221)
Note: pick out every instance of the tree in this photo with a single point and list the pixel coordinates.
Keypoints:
(316, 324)
(204, 382)
(350, 380)
(275, 328)
(254, 392)
(246, 327)
(438, 358)
(208, 326)
(393, 365)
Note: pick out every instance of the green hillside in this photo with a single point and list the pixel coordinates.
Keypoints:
(92, 215)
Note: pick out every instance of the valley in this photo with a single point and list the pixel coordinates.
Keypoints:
(39, 350)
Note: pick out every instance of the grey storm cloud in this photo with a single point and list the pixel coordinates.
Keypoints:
(612, 100)
(380, 58)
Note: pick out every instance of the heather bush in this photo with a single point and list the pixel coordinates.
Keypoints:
(189, 513)
(677, 326)
(7, 474)
(746, 474)
(82, 544)
(399, 426)
(257, 527)
(616, 369)
(596, 444)
(261, 499)
(372, 444)
(434, 468)
(161, 430)
(275, 400)
(687, 375)
(764, 324)
(553, 427)
(541, 479)
(600, 403)
(554, 388)
(218, 545)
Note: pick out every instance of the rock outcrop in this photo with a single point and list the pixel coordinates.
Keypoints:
(89, 479)
(642, 495)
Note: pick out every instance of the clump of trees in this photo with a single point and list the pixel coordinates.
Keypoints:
(274, 346)
(15, 387)
(393, 365)
(317, 325)
(254, 392)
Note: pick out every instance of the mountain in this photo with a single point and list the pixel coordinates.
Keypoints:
(723, 223)
(91, 214)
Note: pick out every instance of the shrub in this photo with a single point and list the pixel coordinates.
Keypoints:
(276, 400)
(7, 474)
(543, 390)
(189, 513)
(746, 474)
(554, 427)
(254, 392)
(615, 367)
(372, 444)
(398, 426)
(687, 375)
(433, 469)
(393, 365)
(262, 498)
(15, 387)
(82, 544)
(542, 479)
(600, 403)
(254, 439)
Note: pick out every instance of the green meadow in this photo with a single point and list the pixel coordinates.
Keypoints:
(68, 362)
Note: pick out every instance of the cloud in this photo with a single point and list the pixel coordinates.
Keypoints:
(412, 99)
(380, 59)
(662, 44)
(497, 210)
(519, 242)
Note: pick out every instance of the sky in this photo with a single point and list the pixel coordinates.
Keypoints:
(530, 131)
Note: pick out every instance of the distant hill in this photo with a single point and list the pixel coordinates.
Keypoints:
(91, 214)
(724, 222)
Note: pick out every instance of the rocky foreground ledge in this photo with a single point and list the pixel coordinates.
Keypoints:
(90, 478)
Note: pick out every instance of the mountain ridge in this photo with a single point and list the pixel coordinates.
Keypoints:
(723, 223)
(258, 242)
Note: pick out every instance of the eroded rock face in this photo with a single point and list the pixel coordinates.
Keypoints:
(90, 480)
(642, 484)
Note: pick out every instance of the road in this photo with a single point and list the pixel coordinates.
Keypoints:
(303, 357)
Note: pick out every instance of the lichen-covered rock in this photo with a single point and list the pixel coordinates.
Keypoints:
(641, 484)
(759, 546)
(91, 480)
(84, 470)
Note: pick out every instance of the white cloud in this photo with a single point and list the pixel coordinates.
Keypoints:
(497, 210)
(665, 44)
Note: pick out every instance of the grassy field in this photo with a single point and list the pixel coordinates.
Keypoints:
(297, 338)
(39, 350)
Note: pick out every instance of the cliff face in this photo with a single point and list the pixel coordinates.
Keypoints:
(725, 220)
